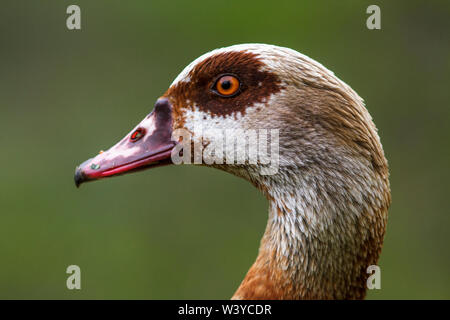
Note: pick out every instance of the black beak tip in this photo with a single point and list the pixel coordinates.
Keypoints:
(79, 177)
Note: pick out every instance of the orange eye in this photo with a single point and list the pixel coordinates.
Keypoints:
(227, 85)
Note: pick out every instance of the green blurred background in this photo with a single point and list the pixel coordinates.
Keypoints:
(193, 232)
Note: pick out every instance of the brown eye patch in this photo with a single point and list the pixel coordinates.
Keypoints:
(255, 84)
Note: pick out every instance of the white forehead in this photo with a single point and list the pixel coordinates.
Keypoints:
(277, 59)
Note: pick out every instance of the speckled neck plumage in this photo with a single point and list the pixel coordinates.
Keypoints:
(320, 236)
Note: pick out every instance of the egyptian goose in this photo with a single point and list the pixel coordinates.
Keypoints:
(330, 195)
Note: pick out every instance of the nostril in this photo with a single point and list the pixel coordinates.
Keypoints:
(137, 134)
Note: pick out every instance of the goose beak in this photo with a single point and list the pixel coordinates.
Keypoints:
(148, 145)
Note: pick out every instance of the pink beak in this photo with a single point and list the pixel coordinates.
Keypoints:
(148, 145)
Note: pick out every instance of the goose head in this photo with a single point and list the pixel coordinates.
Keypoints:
(325, 176)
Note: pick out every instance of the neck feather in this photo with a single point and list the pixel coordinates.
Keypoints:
(321, 235)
